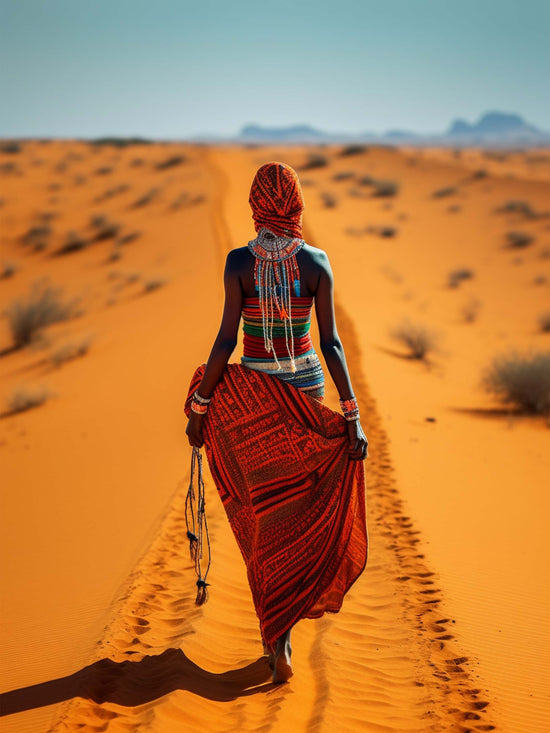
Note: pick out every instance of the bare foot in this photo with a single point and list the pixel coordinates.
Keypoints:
(282, 670)
(270, 654)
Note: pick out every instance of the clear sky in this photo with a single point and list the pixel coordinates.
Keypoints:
(176, 69)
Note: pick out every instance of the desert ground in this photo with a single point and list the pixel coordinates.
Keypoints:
(445, 629)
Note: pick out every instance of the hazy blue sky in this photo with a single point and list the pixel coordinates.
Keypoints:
(173, 68)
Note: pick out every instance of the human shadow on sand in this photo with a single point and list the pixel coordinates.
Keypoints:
(135, 683)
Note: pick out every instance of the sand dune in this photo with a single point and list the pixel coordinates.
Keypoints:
(444, 630)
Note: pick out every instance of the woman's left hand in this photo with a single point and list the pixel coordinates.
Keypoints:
(358, 443)
(194, 430)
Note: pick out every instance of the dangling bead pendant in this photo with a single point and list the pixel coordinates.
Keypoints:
(276, 274)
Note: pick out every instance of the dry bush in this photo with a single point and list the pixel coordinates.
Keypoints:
(385, 188)
(470, 310)
(455, 277)
(8, 269)
(104, 227)
(127, 238)
(442, 192)
(315, 160)
(366, 180)
(12, 147)
(479, 174)
(519, 240)
(454, 208)
(146, 198)
(74, 242)
(153, 284)
(544, 322)
(343, 176)
(37, 236)
(523, 208)
(171, 162)
(387, 231)
(353, 149)
(71, 351)
(104, 171)
(540, 280)
(419, 340)
(115, 254)
(328, 199)
(522, 381)
(27, 317)
(119, 142)
(22, 399)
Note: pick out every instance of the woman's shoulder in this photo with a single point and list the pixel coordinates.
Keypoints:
(238, 257)
(315, 255)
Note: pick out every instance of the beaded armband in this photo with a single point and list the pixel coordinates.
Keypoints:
(350, 409)
(200, 404)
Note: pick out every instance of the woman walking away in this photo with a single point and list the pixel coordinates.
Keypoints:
(288, 469)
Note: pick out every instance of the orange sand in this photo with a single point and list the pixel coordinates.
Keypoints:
(444, 631)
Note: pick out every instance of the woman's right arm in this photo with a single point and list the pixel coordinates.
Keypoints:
(224, 345)
(333, 352)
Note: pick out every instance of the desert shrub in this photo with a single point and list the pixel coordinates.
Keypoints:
(518, 240)
(418, 339)
(23, 399)
(544, 254)
(146, 198)
(12, 147)
(171, 162)
(104, 227)
(8, 269)
(27, 317)
(315, 160)
(442, 192)
(455, 277)
(37, 236)
(135, 162)
(71, 351)
(523, 208)
(387, 231)
(354, 149)
(520, 380)
(479, 174)
(8, 168)
(153, 284)
(74, 242)
(328, 199)
(119, 142)
(103, 171)
(366, 181)
(127, 238)
(454, 208)
(343, 175)
(385, 188)
(115, 254)
(470, 310)
(544, 322)
(540, 280)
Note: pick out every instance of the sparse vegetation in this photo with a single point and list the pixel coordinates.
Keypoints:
(522, 381)
(146, 198)
(454, 208)
(171, 162)
(71, 351)
(37, 236)
(119, 142)
(523, 208)
(479, 174)
(315, 160)
(103, 171)
(442, 192)
(8, 269)
(23, 399)
(127, 238)
(11, 147)
(74, 242)
(385, 188)
(328, 199)
(455, 277)
(366, 181)
(27, 317)
(153, 284)
(544, 322)
(387, 231)
(519, 240)
(418, 339)
(540, 280)
(354, 149)
(104, 228)
(470, 310)
(343, 175)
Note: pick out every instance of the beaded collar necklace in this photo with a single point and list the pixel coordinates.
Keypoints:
(275, 275)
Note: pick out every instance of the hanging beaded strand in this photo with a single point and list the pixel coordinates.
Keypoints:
(276, 273)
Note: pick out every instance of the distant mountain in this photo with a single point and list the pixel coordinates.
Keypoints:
(493, 128)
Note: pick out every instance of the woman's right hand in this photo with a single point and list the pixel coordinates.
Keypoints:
(194, 430)
(358, 443)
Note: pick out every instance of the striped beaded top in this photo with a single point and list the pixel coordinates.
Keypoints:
(253, 340)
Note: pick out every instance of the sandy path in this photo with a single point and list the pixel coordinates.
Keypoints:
(387, 662)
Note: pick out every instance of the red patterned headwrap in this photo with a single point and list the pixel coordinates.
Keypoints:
(277, 200)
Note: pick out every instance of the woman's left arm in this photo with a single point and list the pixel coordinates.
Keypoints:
(223, 347)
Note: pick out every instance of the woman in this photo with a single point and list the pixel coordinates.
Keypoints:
(288, 469)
